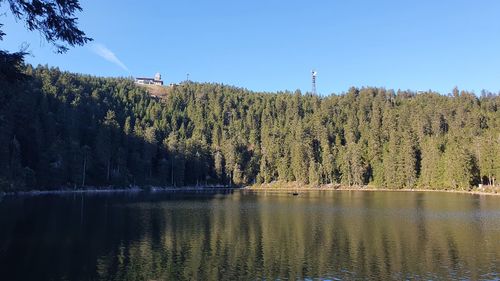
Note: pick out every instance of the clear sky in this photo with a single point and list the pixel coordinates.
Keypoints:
(269, 45)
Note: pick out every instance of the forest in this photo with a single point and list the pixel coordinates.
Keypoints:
(65, 130)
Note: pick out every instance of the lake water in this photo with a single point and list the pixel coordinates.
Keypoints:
(240, 235)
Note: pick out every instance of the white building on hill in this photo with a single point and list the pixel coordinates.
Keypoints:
(149, 81)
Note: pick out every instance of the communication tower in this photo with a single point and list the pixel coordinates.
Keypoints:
(313, 74)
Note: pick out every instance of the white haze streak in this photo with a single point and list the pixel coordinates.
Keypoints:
(108, 55)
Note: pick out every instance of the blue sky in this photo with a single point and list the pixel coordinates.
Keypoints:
(273, 45)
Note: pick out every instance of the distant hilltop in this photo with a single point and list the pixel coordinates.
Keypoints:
(150, 81)
(154, 85)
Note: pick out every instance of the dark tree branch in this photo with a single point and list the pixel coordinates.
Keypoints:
(55, 21)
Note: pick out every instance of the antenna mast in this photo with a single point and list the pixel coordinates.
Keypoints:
(313, 74)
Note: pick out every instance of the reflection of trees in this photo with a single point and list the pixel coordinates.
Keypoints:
(344, 234)
(332, 235)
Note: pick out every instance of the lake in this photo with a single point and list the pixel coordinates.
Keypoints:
(240, 235)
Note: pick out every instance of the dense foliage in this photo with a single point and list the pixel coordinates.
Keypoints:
(62, 129)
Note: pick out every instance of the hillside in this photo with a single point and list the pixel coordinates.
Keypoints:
(62, 129)
(156, 90)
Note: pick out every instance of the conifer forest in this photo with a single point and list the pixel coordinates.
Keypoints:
(65, 130)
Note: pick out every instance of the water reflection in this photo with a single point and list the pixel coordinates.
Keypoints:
(245, 236)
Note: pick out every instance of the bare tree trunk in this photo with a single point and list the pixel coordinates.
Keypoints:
(109, 164)
(172, 172)
(84, 170)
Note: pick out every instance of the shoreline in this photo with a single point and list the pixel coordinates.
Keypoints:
(272, 187)
(96, 190)
(293, 187)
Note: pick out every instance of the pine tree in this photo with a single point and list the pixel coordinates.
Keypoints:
(489, 157)
(219, 165)
(460, 167)
(106, 142)
(314, 176)
(431, 174)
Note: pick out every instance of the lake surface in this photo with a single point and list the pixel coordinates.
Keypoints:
(239, 235)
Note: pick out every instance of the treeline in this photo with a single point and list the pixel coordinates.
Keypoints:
(63, 129)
